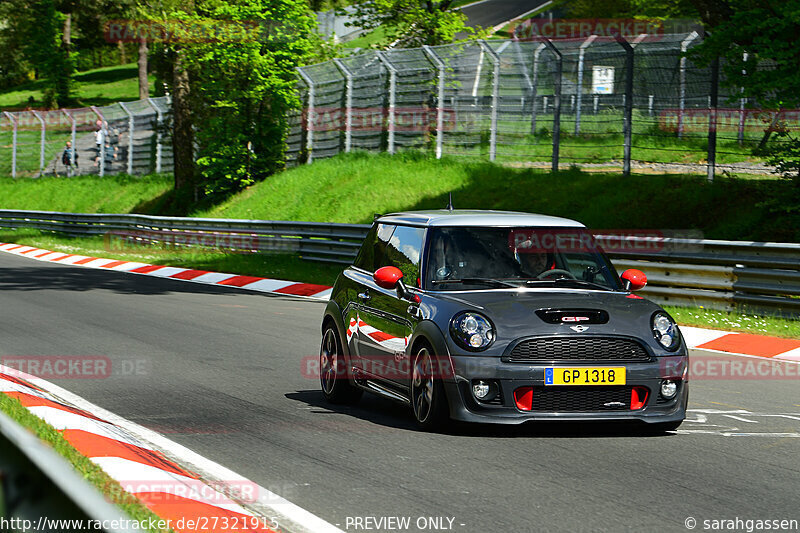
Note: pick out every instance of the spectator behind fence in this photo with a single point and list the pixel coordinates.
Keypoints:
(99, 136)
(69, 156)
(110, 153)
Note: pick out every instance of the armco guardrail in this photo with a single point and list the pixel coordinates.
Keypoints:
(312, 240)
(39, 490)
(761, 276)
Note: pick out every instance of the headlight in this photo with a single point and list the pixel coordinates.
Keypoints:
(472, 331)
(665, 330)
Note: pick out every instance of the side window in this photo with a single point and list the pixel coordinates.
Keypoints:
(372, 255)
(404, 251)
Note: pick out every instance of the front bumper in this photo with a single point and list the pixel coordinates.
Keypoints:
(511, 376)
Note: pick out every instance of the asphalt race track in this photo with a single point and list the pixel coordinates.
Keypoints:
(219, 371)
(491, 13)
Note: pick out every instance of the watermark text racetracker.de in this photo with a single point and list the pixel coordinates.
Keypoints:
(741, 524)
(196, 523)
(618, 241)
(73, 366)
(722, 367)
(166, 240)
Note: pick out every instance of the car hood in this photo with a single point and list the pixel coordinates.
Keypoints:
(513, 312)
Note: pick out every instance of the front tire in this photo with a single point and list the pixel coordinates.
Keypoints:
(428, 399)
(333, 375)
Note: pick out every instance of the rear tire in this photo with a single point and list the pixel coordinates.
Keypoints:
(428, 399)
(333, 374)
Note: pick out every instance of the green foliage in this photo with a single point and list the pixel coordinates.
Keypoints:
(352, 187)
(242, 86)
(759, 47)
(630, 9)
(13, 65)
(410, 23)
(41, 25)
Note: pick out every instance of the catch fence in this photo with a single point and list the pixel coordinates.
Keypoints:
(590, 101)
(134, 140)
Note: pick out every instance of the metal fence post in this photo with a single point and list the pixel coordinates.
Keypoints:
(478, 70)
(348, 103)
(682, 80)
(742, 102)
(13, 120)
(101, 156)
(130, 137)
(41, 142)
(627, 123)
(536, 54)
(309, 116)
(581, 54)
(495, 93)
(712, 120)
(556, 102)
(390, 121)
(159, 122)
(439, 99)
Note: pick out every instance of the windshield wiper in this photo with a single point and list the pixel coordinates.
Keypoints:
(477, 281)
(572, 282)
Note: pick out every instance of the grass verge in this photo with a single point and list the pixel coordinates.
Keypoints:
(89, 471)
(353, 187)
(83, 194)
(277, 266)
(757, 324)
(100, 87)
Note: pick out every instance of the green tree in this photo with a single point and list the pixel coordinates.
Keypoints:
(410, 23)
(768, 32)
(39, 28)
(661, 9)
(14, 65)
(232, 79)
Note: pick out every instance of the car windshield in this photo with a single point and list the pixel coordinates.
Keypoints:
(461, 258)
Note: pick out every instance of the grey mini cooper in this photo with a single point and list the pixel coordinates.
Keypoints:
(499, 317)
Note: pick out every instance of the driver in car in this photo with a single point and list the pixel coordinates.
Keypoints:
(533, 264)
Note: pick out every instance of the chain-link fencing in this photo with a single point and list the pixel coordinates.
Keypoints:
(535, 103)
(125, 137)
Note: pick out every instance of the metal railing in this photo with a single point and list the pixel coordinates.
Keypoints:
(760, 276)
(311, 240)
(36, 484)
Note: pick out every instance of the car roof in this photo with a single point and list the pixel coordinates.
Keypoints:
(470, 217)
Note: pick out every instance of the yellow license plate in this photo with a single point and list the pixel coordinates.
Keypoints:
(585, 375)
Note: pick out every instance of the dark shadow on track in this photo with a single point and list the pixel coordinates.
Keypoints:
(58, 277)
(383, 412)
(370, 408)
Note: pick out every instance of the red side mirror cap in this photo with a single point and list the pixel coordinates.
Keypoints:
(635, 279)
(387, 277)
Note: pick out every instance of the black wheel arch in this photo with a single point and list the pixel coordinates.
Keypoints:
(333, 313)
(428, 332)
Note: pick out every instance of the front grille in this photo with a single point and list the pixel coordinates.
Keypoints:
(566, 399)
(577, 349)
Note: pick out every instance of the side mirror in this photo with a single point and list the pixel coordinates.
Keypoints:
(388, 277)
(391, 278)
(633, 280)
